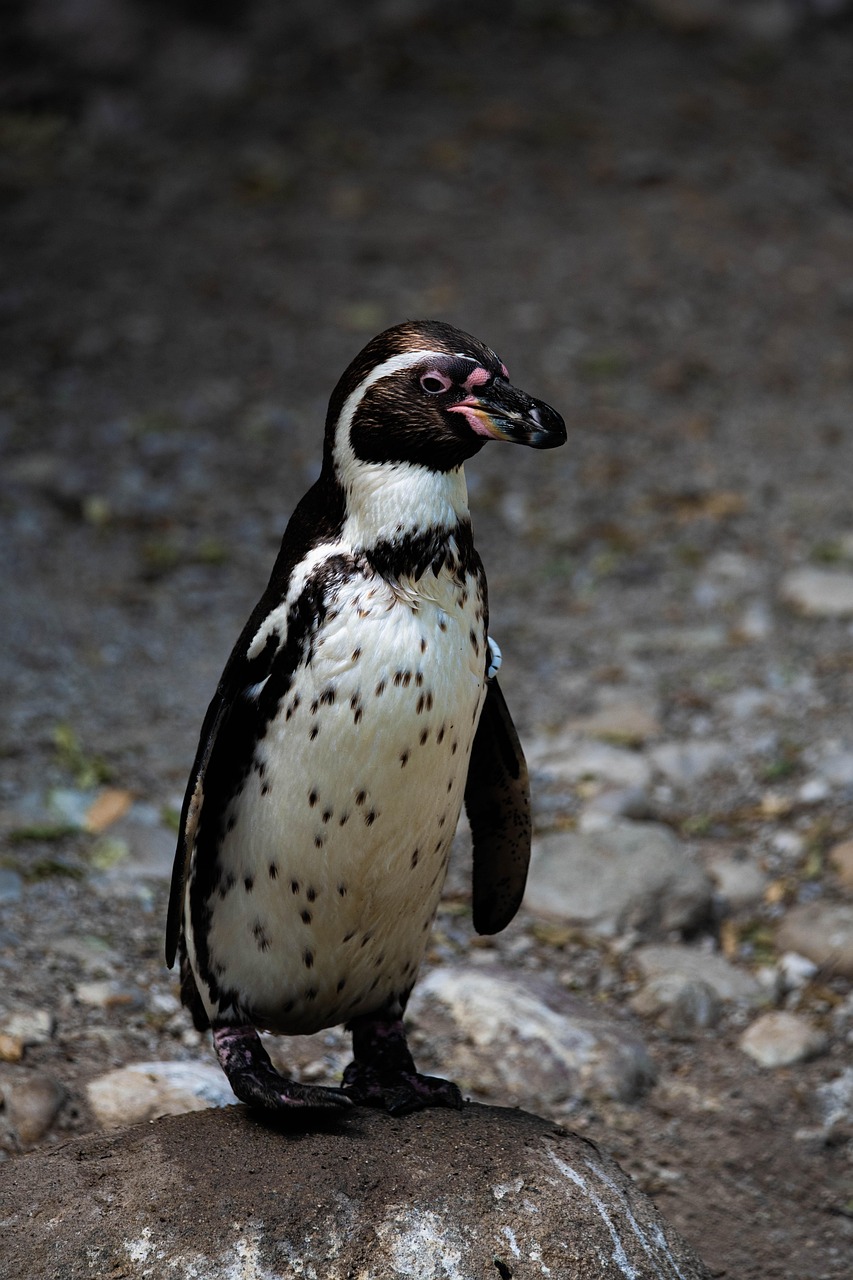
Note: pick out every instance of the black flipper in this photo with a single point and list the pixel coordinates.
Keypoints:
(497, 800)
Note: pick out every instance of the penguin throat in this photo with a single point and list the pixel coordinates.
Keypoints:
(387, 503)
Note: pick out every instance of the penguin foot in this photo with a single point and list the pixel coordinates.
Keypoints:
(398, 1094)
(255, 1080)
(382, 1073)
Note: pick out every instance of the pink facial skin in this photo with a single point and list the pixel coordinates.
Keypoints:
(476, 379)
(475, 417)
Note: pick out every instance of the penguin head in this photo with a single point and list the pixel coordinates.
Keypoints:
(428, 394)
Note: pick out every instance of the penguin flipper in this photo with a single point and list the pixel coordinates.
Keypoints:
(190, 814)
(497, 800)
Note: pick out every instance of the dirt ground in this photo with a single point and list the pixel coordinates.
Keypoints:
(201, 224)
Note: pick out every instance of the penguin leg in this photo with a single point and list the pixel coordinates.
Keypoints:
(255, 1080)
(382, 1072)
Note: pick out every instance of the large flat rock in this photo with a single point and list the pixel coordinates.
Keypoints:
(485, 1192)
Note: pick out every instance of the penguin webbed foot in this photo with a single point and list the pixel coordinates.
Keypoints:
(255, 1080)
(382, 1073)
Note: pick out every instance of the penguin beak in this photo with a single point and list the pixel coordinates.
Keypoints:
(502, 412)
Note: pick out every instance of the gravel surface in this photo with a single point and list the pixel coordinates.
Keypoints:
(202, 223)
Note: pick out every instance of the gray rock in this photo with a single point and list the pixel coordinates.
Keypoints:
(822, 931)
(149, 1090)
(570, 759)
(683, 1005)
(779, 1039)
(441, 1195)
(30, 1026)
(740, 883)
(685, 763)
(819, 593)
(524, 1040)
(32, 1105)
(628, 875)
(834, 1100)
(691, 964)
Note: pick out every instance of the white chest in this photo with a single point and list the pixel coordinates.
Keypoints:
(337, 850)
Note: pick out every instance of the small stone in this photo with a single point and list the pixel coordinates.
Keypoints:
(626, 722)
(796, 970)
(686, 763)
(819, 593)
(834, 1100)
(823, 931)
(628, 875)
(841, 860)
(30, 1026)
(566, 758)
(682, 1005)
(814, 791)
(724, 979)
(780, 1039)
(520, 1039)
(32, 1105)
(148, 1090)
(740, 883)
(106, 995)
(11, 1047)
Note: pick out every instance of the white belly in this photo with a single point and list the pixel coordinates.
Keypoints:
(332, 873)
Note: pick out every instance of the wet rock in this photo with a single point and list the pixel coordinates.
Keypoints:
(149, 1090)
(525, 1040)
(823, 931)
(628, 875)
(780, 1039)
(482, 1191)
(685, 763)
(32, 1105)
(819, 593)
(680, 1004)
(694, 965)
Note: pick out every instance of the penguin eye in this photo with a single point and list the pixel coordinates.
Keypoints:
(434, 382)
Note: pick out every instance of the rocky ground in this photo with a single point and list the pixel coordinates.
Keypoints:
(202, 224)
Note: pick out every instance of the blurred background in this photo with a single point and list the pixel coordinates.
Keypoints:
(647, 210)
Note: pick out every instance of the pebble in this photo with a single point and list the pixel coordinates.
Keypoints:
(841, 860)
(682, 1005)
(819, 593)
(30, 1026)
(623, 721)
(834, 1100)
(740, 883)
(779, 1039)
(570, 759)
(107, 995)
(796, 970)
(686, 763)
(526, 1041)
(691, 964)
(32, 1105)
(822, 931)
(625, 876)
(149, 1090)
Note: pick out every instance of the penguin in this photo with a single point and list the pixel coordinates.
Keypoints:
(357, 713)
